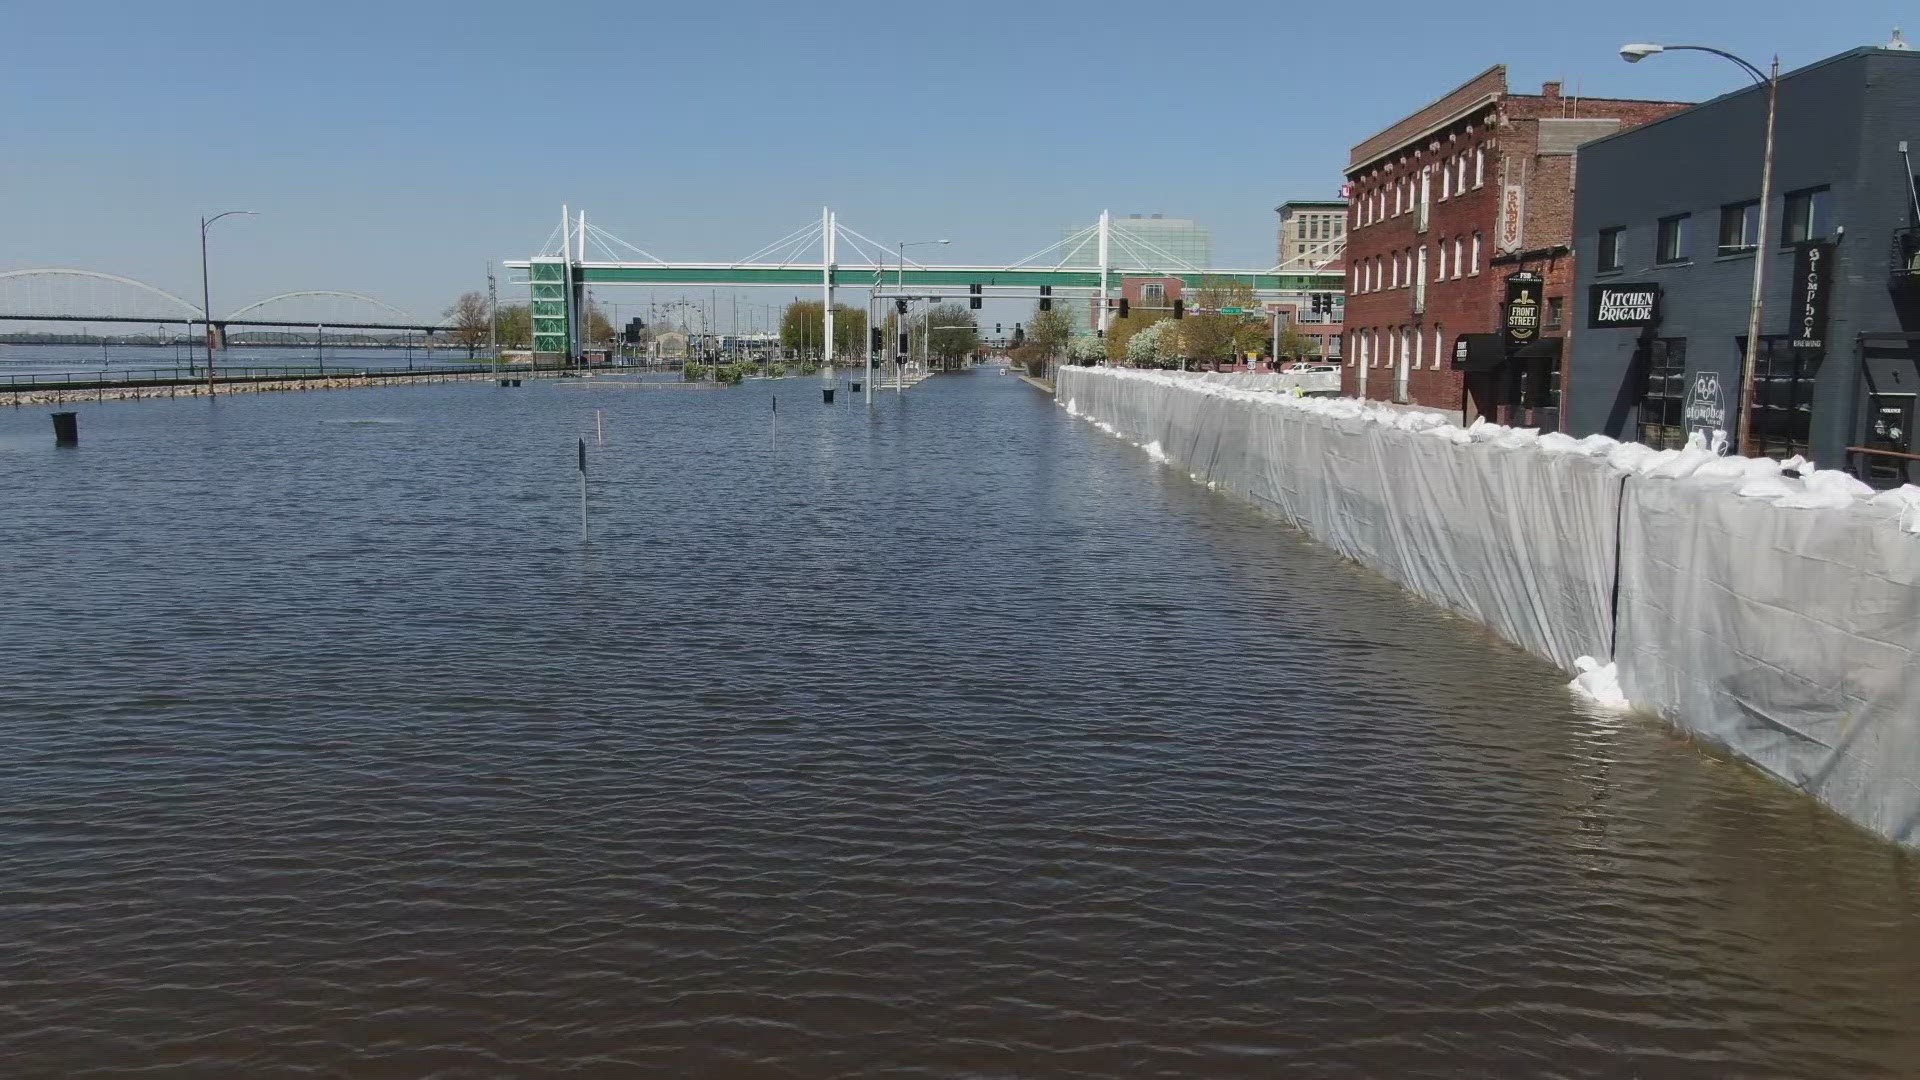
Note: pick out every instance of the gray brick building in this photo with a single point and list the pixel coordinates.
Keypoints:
(1668, 210)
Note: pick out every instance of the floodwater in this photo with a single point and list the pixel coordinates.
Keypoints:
(950, 739)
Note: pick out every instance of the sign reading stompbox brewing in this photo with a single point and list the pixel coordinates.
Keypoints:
(1623, 304)
(1812, 285)
(1522, 309)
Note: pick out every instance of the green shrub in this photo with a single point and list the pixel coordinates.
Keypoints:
(694, 372)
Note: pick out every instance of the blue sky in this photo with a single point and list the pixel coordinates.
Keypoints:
(395, 148)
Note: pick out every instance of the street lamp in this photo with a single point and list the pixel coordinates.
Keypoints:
(1633, 54)
(206, 298)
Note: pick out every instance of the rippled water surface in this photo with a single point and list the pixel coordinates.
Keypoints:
(954, 739)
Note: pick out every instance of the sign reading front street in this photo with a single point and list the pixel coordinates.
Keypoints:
(1622, 304)
(1522, 309)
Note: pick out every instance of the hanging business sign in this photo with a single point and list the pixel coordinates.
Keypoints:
(1522, 309)
(1812, 286)
(1510, 233)
(1706, 411)
(1623, 304)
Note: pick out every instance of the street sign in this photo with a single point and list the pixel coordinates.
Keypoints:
(1233, 311)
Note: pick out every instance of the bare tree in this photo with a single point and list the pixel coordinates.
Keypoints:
(469, 317)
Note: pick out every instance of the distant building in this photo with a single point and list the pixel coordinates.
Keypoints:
(1446, 205)
(1313, 234)
(1668, 231)
(1142, 242)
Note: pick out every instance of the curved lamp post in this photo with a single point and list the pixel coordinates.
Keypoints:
(206, 299)
(1633, 54)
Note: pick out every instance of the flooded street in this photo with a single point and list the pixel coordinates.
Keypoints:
(950, 739)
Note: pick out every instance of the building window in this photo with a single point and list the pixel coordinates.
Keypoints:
(1440, 264)
(1671, 244)
(1479, 166)
(1439, 347)
(1663, 394)
(1739, 227)
(1782, 397)
(1556, 309)
(1446, 181)
(1809, 216)
(1460, 173)
(1475, 264)
(1609, 249)
(1155, 291)
(1459, 256)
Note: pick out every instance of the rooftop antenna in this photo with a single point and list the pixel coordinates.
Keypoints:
(1898, 43)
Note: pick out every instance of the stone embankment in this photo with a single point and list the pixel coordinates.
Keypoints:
(249, 386)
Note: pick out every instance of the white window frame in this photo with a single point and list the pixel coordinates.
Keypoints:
(1475, 272)
(1459, 255)
(1479, 166)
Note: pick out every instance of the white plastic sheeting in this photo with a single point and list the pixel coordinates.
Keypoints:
(1789, 636)
(1774, 612)
(1520, 541)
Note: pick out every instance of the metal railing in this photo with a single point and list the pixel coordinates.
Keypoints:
(1904, 263)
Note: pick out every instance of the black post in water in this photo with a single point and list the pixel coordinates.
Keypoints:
(826, 394)
(66, 429)
(856, 387)
(583, 490)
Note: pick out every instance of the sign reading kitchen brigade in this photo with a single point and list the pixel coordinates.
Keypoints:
(1623, 304)
(1812, 286)
(1522, 309)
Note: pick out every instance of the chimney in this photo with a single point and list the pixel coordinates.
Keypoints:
(1550, 90)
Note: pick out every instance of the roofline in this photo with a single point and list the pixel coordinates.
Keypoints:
(1313, 202)
(1501, 68)
(1752, 89)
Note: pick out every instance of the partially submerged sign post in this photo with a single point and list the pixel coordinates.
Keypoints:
(583, 489)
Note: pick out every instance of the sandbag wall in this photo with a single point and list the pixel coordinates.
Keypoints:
(1788, 636)
(1520, 541)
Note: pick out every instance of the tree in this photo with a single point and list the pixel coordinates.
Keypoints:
(1086, 349)
(598, 328)
(954, 333)
(1155, 346)
(803, 328)
(1121, 331)
(1209, 335)
(1047, 332)
(468, 314)
(1295, 345)
(515, 326)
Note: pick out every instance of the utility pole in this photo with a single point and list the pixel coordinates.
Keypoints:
(493, 318)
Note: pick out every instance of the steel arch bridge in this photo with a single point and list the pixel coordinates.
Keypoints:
(67, 294)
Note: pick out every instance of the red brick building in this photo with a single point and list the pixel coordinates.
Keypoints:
(1429, 248)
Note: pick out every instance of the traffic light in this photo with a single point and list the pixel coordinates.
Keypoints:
(1123, 307)
(1019, 334)
(1046, 298)
(900, 305)
(973, 297)
(876, 338)
(1179, 309)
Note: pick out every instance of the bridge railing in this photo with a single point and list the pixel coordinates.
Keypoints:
(183, 375)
